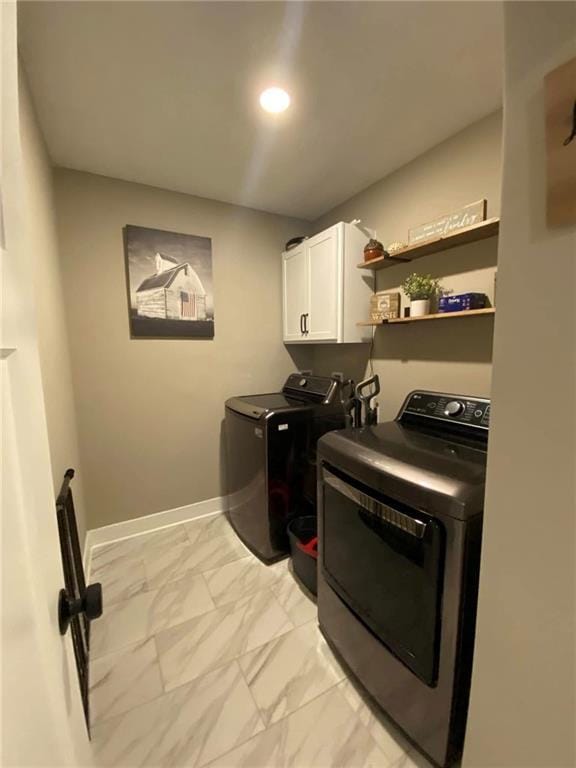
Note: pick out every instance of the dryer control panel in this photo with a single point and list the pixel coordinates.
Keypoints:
(463, 410)
(315, 389)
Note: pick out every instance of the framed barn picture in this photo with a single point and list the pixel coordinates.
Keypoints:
(169, 278)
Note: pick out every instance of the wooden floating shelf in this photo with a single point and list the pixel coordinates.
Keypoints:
(438, 316)
(482, 231)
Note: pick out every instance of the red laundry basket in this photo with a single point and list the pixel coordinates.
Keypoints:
(303, 535)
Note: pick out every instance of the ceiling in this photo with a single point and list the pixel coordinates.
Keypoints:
(166, 93)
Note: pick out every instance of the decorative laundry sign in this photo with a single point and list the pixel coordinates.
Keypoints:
(560, 94)
(471, 214)
(169, 284)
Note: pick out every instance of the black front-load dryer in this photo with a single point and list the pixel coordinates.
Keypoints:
(270, 454)
(400, 518)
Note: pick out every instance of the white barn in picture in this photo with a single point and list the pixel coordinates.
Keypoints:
(173, 292)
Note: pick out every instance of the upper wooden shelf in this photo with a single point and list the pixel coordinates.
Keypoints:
(485, 229)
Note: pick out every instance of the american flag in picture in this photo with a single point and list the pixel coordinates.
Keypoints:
(188, 304)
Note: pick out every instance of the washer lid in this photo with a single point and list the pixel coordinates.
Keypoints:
(436, 473)
(256, 406)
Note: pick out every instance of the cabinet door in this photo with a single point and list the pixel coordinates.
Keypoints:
(325, 287)
(294, 292)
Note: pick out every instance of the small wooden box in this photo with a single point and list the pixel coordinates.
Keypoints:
(384, 306)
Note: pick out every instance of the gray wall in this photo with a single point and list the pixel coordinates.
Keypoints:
(522, 710)
(456, 355)
(150, 411)
(49, 306)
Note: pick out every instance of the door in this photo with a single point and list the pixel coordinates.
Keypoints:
(385, 561)
(42, 714)
(295, 293)
(322, 322)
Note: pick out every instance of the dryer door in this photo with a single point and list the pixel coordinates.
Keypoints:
(385, 561)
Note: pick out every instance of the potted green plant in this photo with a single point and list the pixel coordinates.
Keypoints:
(420, 289)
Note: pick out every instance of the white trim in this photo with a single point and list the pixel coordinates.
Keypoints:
(139, 525)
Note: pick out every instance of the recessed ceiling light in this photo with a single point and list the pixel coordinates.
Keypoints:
(274, 100)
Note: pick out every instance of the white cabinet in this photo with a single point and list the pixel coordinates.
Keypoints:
(324, 295)
(294, 292)
(324, 270)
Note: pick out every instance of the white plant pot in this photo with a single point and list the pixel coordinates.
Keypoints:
(419, 307)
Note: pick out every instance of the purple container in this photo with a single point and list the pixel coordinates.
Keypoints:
(462, 302)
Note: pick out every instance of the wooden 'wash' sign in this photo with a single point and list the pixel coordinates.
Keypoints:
(467, 216)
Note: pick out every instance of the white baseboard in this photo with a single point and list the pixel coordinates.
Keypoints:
(139, 525)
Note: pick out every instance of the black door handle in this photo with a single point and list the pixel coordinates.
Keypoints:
(90, 605)
(306, 323)
(302, 330)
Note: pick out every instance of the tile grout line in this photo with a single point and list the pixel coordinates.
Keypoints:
(240, 743)
(191, 572)
(388, 725)
(204, 674)
(258, 710)
(280, 638)
(235, 660)
(105, 719)
(277, 603)
(215, 607)
(140, 557)
(209, 570)
(285, 717)
(280, 575)
(166, 693)
(269, 587)
(274, 639)
(162, 678)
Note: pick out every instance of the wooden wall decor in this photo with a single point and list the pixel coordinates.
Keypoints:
(470, 214)
(560, 90)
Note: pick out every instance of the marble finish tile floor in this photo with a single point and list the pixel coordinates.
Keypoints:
(206, 657)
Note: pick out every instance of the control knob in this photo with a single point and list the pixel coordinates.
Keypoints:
(303, 382)
(453, 408)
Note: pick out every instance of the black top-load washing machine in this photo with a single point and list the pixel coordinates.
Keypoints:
(271, 458)
(400, 517)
